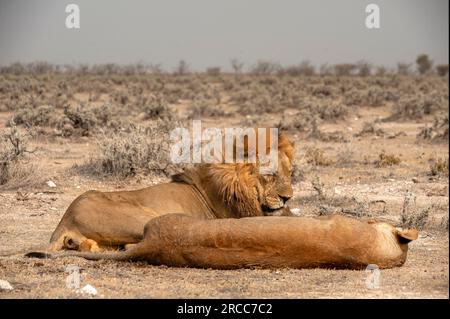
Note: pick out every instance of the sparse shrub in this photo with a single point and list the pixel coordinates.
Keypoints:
(438, 132)
(14, 171)
(380, 71)
(85, 120)
(129, 153)
(34, 116)
(213, 71)
(424, 63)
(410, 216)
(404, 68)
(330, 111)
(416, 107)
(303, 121)
(157, 108)
(439, 167)
(317, 185)
(264, 68)
(182, 68)
(387, 160)
(316, 157)
(370, 128)
(202, 108)
(236, 65)
(344, 69)
(303, 69)
(364, 68)
(442, 69)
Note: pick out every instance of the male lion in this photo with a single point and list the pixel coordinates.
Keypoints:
(296, 242)
(96, 220)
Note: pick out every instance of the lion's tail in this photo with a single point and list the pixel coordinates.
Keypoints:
(119, 256)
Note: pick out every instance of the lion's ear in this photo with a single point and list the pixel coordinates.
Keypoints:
(407, 235)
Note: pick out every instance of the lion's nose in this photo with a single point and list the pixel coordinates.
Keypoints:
(285, 198)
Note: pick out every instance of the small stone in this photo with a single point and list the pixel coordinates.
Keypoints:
(87, 290)
(51, 184)
(4, 285)
(415, 180)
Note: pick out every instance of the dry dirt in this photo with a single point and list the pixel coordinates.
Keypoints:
(28, 217)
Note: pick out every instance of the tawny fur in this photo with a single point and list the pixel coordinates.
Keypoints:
(268, 242)
(98, 220)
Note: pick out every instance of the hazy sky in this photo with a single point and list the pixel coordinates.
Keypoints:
(211, 32)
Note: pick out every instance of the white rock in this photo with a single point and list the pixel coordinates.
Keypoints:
(51, 184)
(4, 285)
(337, 191)
(295, 211)
(87, 290)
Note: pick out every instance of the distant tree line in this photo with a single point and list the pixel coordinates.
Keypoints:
(423, 66)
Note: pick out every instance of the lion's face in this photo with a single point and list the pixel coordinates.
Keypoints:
(276, 188)
(246, 192)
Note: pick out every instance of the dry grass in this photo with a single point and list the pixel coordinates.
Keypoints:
(439, 167)
(411, 216)
(131, 153)
(317, 157)
(387, 160)
(16, 171)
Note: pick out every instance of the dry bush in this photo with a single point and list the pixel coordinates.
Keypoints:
(303, 69)
(329, 111)
(439, 167)
(264, 68)
(416, 107)
(364, 68)
(373, 96)
(404, 68)
(411, 216)
(344, 69)
(438, 132)
(157, 108)
(15, 170)
(86, 120)
(387, 160)
(35, 116)
(424, 64)
(213, 71)
(303, 121)
(318, 186)
(202, 108)
(127, 154)
(316, 157)
(442, 69)
(370, 128)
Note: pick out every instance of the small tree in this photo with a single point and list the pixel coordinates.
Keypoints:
(424, 63)
(236, 65)
(182, 68)
(403, 68)
(325, 69)
(380, 71)
(265, 68)
(364, 68)
(213, 71)
(442, 69)
(344, 69)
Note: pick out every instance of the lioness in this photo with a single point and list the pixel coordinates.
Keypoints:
(96, 220)
(295, 242)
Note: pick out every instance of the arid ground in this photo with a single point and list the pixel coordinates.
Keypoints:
(367, 147)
